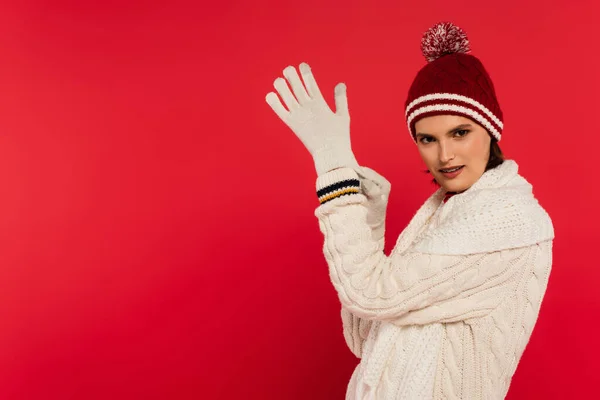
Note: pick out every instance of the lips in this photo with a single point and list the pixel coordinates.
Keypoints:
(452, 172)
(453, 169)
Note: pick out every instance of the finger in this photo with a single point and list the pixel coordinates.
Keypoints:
(310, 82)
(341, 99)
(297, 86)
(276, 105)
(285, 93)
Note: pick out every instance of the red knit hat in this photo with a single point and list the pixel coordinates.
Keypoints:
(452, 82)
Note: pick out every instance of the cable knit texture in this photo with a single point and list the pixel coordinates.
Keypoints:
(448, 314)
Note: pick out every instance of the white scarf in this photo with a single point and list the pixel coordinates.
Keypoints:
(498, 212)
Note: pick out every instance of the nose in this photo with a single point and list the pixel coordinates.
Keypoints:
(446, 152)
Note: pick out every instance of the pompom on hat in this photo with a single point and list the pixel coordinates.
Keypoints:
(452, 82)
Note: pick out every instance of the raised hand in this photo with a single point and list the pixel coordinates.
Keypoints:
(324, 133)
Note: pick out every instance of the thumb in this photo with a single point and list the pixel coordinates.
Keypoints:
(341, 99)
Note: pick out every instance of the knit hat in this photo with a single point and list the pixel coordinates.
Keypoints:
(452, 82)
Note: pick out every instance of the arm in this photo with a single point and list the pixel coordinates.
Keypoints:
(376, 189)
(409, 287)
(326, 135)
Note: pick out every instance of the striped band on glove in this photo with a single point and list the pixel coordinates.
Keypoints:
(337, 183)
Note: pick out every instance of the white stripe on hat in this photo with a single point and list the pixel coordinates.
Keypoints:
(456, 108)
(457, 97)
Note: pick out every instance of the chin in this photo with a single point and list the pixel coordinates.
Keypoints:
(458, 184)
(453, 185)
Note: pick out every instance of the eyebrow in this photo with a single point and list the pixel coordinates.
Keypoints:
(456, 128)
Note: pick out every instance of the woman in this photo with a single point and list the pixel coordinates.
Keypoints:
(450, 311)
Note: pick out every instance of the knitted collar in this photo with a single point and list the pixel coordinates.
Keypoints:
(498, 176)
(498, 212)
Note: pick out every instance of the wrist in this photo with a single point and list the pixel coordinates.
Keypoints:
(336, 183)
(329, 160)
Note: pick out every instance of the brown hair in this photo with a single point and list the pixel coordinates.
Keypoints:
(496, 158)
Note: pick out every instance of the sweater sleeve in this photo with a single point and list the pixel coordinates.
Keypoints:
(409, 287)
(376, 190)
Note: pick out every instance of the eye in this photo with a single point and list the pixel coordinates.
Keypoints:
(461, 132)
(425, 139)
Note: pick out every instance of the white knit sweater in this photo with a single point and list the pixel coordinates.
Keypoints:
(448, 314)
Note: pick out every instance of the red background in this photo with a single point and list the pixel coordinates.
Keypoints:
(158, 238)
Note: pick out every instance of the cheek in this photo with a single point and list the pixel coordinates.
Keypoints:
(428, 156)
(477, 147)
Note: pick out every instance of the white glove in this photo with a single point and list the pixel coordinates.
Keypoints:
(324, 133)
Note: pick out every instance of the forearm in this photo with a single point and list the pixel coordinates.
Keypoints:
(377, 189)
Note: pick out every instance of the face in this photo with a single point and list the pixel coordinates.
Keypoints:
(448, 141)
